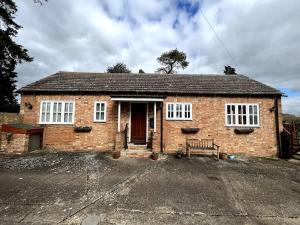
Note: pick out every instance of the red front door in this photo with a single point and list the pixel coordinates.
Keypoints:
(138, 123)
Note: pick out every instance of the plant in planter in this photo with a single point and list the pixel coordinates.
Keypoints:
(154, 156)
(179, 154)
(223, 155)
(84, 129)
(116, 154)
(9, 137)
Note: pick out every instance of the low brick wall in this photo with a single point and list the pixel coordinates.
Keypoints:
(6, 118)
(14, 143)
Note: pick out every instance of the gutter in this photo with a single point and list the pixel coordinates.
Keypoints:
(161, 127)
(278, 139)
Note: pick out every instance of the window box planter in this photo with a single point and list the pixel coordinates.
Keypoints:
(190, 130)
(243, 130)
(85, 129)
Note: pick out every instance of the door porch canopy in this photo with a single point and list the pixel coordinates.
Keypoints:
(121, 99)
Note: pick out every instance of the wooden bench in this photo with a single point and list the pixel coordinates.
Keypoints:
(203, 146)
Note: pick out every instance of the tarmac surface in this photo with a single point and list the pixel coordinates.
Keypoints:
(92, 188)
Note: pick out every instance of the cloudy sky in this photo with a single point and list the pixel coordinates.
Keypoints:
(259, 38)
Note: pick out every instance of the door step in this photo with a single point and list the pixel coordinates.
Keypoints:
(134, 147)
(296, 155)
(137, 153)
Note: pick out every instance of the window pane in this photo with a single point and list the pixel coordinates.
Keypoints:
(233, 120)
(55, 107)
(66, 118)
(59, 107)
(97, 116)
(43, 117)
(102, 116)
(187, 113)
(244, 109)
(255, 120)
(240, 120)
(44, 107)
(70, 107)
(179, 111)
(47, 117)
(170, 111)
(66, 107)
(229, 120)
(233, 109)
(98, 107)
(54, 117)
(244, 119)
(250, 109)
(228, 109)
(255, 109)
(70, 117)
(102, 107)
(48, 107)
(251, 120)
(59, 117)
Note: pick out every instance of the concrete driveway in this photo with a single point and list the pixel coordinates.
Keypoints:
(92, 188)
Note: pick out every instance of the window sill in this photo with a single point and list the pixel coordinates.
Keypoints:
(104, 121)
(56, 123)
(179, 119)
(242, 127)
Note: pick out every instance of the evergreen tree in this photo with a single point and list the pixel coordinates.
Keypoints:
(229, 70)
(171, 61)
(118, 68)
(10, 55)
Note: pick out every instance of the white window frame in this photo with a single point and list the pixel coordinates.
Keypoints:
(62, 112)
(105, 109)
(183, 104)
(247, 115)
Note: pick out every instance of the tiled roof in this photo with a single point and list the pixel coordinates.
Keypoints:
(158, 84)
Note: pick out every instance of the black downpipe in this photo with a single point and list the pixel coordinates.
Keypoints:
(161, 127)
(278, 139)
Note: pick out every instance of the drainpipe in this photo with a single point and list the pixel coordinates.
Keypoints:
(276, 113)
(161, 127)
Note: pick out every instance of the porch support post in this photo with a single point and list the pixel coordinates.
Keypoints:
(119, 116)
(154, 116)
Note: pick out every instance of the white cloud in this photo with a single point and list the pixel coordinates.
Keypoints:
(291, 105)
(92, 35)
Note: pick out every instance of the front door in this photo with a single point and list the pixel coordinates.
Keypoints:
(138, 123)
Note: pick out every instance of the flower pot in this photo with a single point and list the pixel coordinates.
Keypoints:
(223, 155)
(154, 156)
(179, 154)
(116, 155)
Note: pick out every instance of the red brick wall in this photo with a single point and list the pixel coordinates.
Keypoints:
(63, 137)
(17, 145)
(208, 115)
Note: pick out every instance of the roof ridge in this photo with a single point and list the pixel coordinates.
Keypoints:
(162, 74)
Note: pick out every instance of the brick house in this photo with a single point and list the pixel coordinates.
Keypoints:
(107, 112)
